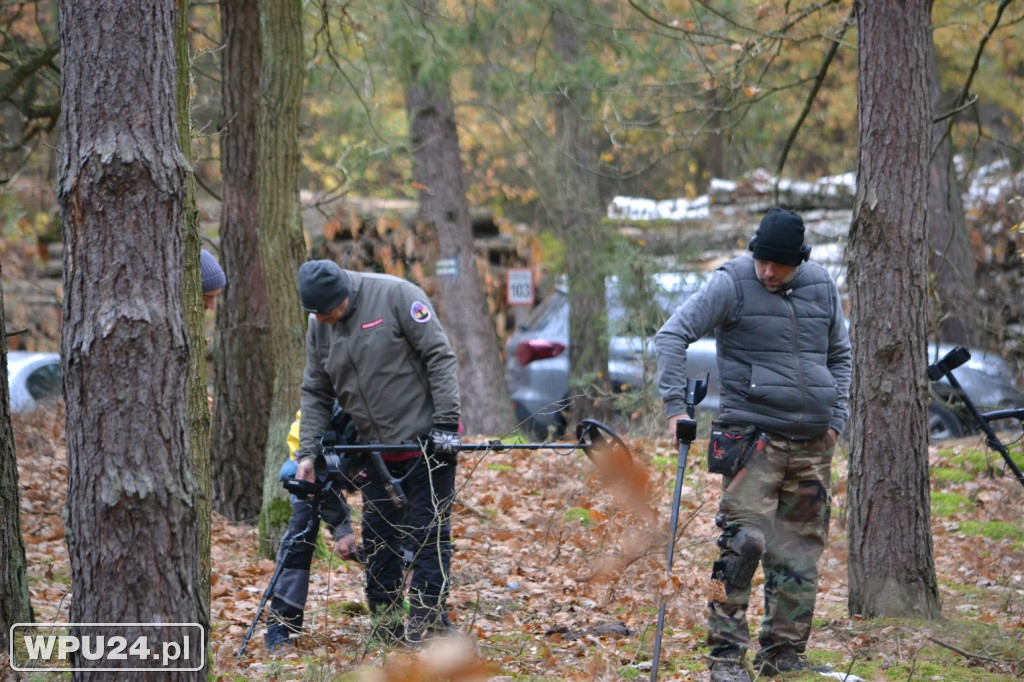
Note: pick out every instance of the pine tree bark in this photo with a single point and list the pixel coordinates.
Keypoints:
(281, 245)
(434, 139)
(243, 370)
(951, 262)
(15, 606)
(580, 214)
(131, 501)
(891, 565)
(198, 408)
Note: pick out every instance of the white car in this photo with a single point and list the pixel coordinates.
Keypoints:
(33, 379)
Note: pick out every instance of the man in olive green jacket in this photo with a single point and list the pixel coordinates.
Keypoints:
(375, 345)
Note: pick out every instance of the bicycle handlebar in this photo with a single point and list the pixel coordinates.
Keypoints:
(999, 415)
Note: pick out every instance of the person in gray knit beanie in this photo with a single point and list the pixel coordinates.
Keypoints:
(323, 286)
(213, 279)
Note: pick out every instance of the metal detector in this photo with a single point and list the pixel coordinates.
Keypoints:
(330, 462)
(686, 433)
(590, 433)
(944, 368)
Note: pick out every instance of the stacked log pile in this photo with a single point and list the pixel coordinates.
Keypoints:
(33, 290)
(384, 236)
(366, 235)
(997, 239)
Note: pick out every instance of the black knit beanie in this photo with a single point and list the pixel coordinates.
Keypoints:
(323, 285)
(780, 238)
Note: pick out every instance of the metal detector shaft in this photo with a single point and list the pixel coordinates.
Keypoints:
(945, 367)
(464, 447)
(589, 433)
(991, 439)
(686, 433)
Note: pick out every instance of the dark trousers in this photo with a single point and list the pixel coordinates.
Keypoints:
(416, 537)
(292, 587)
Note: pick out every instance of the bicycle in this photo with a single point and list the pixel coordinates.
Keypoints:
(944, 368)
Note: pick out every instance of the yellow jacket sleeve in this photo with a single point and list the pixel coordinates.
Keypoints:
(293, 437)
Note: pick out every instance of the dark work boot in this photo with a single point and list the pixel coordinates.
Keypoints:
(280, 626)
(785, 660)
(426, 624)
(727, 667)
(276, 640)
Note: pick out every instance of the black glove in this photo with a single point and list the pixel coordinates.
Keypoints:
(444, 442)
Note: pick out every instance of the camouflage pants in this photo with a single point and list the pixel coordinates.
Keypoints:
(784, 493)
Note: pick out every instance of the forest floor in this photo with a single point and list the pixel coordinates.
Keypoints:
(558, 567)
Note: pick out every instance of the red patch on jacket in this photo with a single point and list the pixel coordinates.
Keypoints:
(371, 325)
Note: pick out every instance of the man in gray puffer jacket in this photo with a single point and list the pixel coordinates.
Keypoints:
(784, 363)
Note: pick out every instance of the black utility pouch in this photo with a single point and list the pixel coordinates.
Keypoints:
(729, 446)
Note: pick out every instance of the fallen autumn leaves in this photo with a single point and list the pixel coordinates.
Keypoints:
(558, 568)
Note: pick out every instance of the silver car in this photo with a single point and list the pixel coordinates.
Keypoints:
(537, 360)
(537, 355)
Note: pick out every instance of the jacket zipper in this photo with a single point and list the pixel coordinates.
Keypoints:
(796, 357)
(362, 393)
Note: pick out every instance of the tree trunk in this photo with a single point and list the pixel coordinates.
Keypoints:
(14, 600)
(243, 369)
(954, 316)
(580, 212)
(281, 245)
(198, 408)
(891, 565)
(131, 498)
(463, 309)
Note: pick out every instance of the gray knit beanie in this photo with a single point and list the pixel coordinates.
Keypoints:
(323, 285)
(213, 275)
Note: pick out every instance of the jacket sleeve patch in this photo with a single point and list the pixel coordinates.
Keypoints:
(420, 312)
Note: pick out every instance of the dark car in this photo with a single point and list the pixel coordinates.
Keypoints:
(537, 359)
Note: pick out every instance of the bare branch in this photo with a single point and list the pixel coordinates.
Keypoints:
(981, 48)
(963, 101)
(965, 654)
(819, 79)
(950, 114)
(44, 58)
